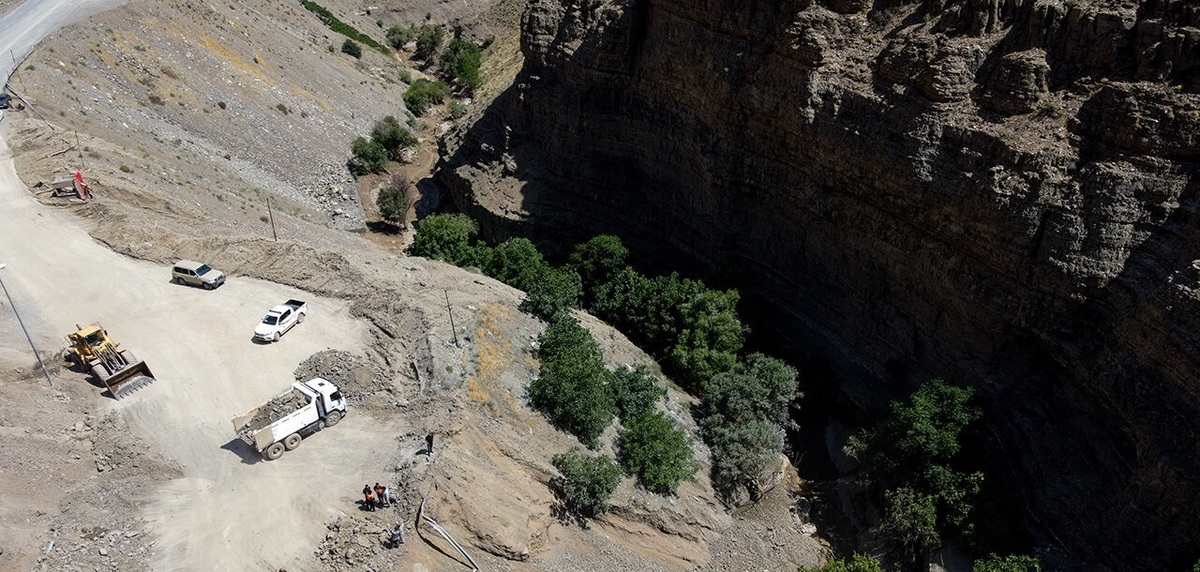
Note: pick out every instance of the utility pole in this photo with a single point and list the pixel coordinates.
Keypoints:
(22, 322)
(80, 149)
(271, 215)
(453, 329)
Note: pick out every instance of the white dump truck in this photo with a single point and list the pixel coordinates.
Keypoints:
(281, 423)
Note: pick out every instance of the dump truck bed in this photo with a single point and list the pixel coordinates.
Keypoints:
(283, 415)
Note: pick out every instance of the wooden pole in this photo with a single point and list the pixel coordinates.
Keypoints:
(453, 329)
(271, 215)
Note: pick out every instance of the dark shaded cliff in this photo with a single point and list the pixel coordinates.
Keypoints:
(1003, 193)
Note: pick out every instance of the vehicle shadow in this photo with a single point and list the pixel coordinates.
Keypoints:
(259, 342)
(239, 447)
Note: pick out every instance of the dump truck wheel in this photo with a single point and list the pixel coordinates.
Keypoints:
(273, 452)
(292, 441)
(299, 318)
(333, 418)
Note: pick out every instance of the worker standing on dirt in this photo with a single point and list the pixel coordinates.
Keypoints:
(429, 444)
(396, 535)
(379, 495)
(368, 498)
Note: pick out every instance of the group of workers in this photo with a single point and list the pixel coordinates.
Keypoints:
(378, 496)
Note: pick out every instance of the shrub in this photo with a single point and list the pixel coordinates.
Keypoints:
(392, 201)
(366, 157)
(652, 448)
(460, 63)
(1012, 563)
(445, 237)
(550, 291)
(709, 338)
(351, 47)
(422, 93)
(635, 391)
(457, 110)
(586, 483)
(910, 519)
(394, 138)
(398, 36)
(570, 391)
(429, 41)
(740, 452)
(857, 563)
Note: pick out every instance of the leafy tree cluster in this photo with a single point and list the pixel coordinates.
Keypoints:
(571, 389)
(341, 27)
(856, 563)
(461, 61)
(657, 451)
(694, 331)
(744, 413)
(586, 482)
(422, 94)
(911, 460)
(388, 140)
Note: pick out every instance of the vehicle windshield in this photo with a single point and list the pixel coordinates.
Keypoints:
(271, 320)
(202, 270)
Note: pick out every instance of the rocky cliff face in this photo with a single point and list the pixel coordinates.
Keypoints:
(1002, 193)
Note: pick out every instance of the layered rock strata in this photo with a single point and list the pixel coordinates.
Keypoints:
(1002, 193)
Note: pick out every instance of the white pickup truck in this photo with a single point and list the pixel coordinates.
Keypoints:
(279, 320)
(281, 423)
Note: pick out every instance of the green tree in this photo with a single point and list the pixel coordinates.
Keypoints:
(916, 449)
(760, 388)
(598, 261)
(740, 451)
(429, 41)
(445, 237)
(570, 391)
(563, 336)
(1013, 563)
(551, 291)
(857, 563)
(910, 519)
(586, 483)
(513, 258)
(400, 36)
(460, 62)
(392, 201)
(635, 391)
(710, 336)
(658, 452)
(422, 94)
(393, 137)
(366, 157)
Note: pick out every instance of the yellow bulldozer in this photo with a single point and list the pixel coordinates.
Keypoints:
(121, 373)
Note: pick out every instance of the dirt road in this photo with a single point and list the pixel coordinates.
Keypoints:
(230, 511)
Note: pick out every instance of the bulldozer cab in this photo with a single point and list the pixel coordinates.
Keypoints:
(117, 369)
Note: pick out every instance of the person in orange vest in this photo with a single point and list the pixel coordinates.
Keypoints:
(368, 498)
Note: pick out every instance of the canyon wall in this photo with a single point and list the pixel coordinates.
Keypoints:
(1002, 193)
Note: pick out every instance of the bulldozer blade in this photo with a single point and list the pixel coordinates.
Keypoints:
(129, 379)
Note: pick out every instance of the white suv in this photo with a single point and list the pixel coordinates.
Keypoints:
(197, 274)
